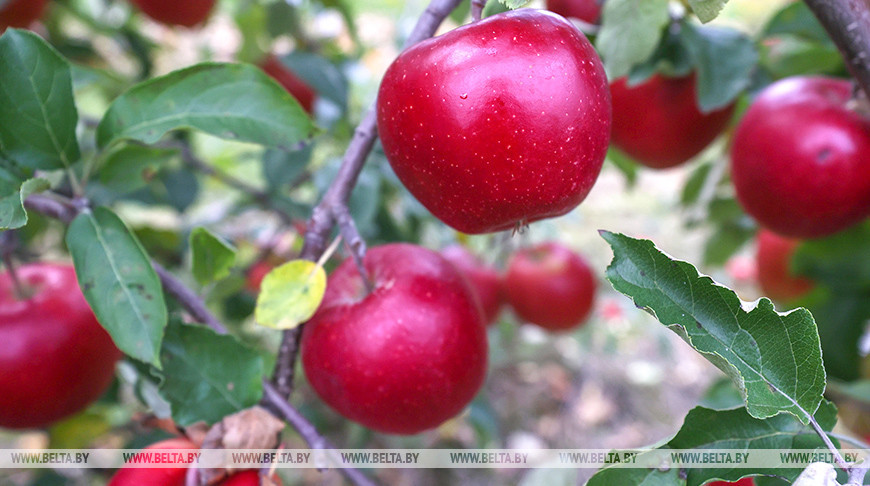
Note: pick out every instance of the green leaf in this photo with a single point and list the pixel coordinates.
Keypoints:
(231, 101)
(797, 19)
(12, 196)
(695, 183)
(707, 10)
(625, 164)
(725, 241)
(78, 431)
(290, 294)
(514, 4)
(133, 166)
(775, 359)
(722, 394)
(322, 75)
(118, 282)
(36, 103)
(207, 376)
(671, 58)
(841, 317)
(609, 476)
(346, 10)
(840, 266)
(281, 167)
(460, 13)
(212, 256)
(705, 428)
(736, 429)
(645, 19)
(841, 261)
(493, 8)
(724, 59)
(792, 56)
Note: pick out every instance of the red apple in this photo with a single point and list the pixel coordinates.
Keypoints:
(658, 122)
(742, 482)
(800, 160)
(486, 282)
(588, 11)
(256, 274)
(187, 13)
(157, 476)
(20, 13)
(175, 476)
(286, 78)
(773, 259)
(407, 356)
(55, 356)
(498, 123)
(551, 286)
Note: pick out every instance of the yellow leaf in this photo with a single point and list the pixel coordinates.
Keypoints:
(290, 294)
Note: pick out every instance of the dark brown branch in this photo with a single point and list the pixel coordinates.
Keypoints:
(191, 302)
(848, 24)
(307, 430)
(334, 201)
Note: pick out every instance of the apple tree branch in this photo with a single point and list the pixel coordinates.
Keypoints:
(332, 208)
(848, 24)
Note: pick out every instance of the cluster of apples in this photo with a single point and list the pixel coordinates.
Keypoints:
(800, 157)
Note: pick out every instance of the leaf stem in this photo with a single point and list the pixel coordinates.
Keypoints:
(830, 445)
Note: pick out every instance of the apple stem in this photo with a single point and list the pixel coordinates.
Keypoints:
(477, 7)
(848, 24)
(356, 245)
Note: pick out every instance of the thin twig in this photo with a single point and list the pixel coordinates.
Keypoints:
(848, 24)
(51, 207)
(477, 7)
(307, 431)
(260, 196)
(334, 201)
(188, 298)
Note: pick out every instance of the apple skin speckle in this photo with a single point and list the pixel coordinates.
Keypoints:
(498, 122)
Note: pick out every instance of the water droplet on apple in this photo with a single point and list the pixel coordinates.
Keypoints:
(463, 96)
